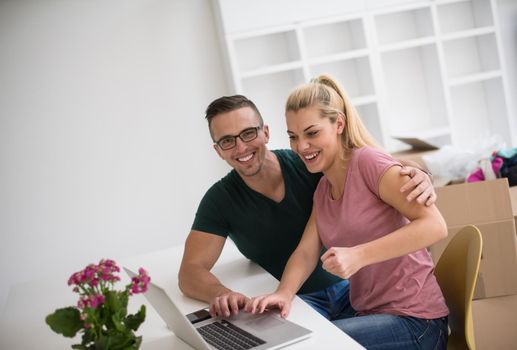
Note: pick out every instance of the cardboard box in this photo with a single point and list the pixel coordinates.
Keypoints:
(487, 205)
(495, 323)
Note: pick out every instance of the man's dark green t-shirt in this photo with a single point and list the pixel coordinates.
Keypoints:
(264, 231)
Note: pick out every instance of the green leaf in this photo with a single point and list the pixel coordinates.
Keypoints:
(66, 321)
(79, 347)
(121, 340)
(116, 303)
(102, 343)
(117, 322)
(134, 321)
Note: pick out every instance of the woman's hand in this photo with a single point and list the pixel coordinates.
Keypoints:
(342, 261)
(280, 300)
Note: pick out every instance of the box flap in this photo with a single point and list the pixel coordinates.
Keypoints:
(413, 155)
(475, 203)
(417, 143)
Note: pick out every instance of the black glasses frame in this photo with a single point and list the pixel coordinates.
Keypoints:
(233, 138)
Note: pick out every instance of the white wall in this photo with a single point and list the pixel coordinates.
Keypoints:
(104, 150)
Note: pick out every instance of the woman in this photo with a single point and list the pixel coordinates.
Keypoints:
(374, 236)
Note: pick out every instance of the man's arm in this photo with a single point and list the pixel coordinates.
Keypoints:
(195, 279)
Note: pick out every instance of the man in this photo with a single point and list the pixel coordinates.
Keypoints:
(263, 205)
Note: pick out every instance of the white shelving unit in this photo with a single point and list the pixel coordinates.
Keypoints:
(423, 69)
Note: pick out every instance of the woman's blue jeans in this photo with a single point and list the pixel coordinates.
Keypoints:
(379, 331)
(332, 302)
(384, 331)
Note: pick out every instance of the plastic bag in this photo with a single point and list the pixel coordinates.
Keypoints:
(455, 164)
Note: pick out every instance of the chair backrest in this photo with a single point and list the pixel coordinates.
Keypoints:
(456, 272)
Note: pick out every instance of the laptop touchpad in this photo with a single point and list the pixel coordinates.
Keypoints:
(264, 322)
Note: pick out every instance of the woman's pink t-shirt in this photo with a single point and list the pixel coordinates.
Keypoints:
(400, 286)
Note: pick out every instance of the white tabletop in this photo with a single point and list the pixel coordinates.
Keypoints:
(22, 324)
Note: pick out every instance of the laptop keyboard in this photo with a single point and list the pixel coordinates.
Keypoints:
(225, 336)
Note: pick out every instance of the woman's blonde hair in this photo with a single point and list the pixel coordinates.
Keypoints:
(329, 97)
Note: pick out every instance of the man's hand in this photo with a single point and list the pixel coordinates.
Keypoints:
(226, 304)
(420, 185)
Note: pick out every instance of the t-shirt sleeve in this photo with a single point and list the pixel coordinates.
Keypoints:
(373, 163)
(208, 217)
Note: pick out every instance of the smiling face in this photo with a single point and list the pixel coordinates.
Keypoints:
(246, 158)
(316, 139)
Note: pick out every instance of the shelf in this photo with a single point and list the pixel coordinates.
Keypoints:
(273, 69)
(268, 50)
(364, 100)
(474, 78)
(427, 133)
(404, 25)
(261, 32)
(468, 33)
(354, 74)
(339, 37)
(408, 44)
(415, 98)
(464, 15)
(471, 55)
(339, 57)
(482, 107)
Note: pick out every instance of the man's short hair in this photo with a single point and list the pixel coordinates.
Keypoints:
(227, 104)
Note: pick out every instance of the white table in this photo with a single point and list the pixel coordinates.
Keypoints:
(22, 324)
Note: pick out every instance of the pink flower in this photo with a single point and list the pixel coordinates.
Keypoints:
(89, 273)
(140, 283)
(74, 279)
(96, 300)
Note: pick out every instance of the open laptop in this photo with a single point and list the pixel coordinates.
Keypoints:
(244, 331)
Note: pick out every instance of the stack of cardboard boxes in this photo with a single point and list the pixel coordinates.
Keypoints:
(488, 205)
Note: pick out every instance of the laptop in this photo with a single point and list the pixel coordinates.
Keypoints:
(244, 331)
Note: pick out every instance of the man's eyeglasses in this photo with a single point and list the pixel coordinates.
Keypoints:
(246, 135)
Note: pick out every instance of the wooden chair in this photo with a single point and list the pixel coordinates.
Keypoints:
(456, 272)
